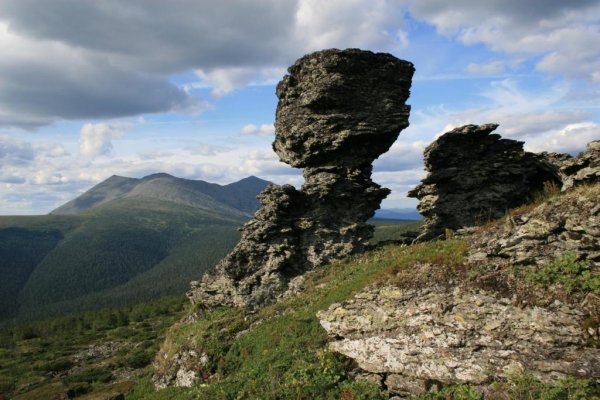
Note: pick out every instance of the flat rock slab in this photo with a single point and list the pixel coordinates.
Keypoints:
(454, 336)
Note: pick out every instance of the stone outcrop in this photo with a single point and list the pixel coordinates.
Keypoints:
(474, 176)
(337, 112)
(569, 223)
(416, 340)
(582, 169)
(493, 321)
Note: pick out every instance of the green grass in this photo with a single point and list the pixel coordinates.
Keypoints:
(393, 230)
(280, 352)
(569, 272)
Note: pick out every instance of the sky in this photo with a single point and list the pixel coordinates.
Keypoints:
(91, 88)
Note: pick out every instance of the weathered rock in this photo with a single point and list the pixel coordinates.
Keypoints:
(474, 177)
(452, 335)
(574, 171)
(337, 112)
(565, 223)
(184, 368)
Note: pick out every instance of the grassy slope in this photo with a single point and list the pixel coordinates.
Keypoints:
(283, 353)
(278, 353)
(393, 229)
(24, 242)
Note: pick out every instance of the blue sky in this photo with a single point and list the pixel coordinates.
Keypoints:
(89, 89)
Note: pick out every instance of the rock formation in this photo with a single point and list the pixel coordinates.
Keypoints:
(474, 176)
(412, 340)
(574, 171)
(493, 322)
(337, 112)
(564, 224)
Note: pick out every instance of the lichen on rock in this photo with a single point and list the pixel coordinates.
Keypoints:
(569, 223)
(448, 335)
(338, 111)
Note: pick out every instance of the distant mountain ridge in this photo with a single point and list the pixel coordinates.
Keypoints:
(238, 198)
(398, 214)
(124, 241)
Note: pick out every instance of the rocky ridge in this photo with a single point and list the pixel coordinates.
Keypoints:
(493, 322)
(582, 169)
(562, 224)
(338, 110)
(474, 176)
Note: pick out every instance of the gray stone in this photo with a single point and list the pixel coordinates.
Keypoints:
(565, 223)
(338, 110)
(474, 176)
(404, 335)
(583, 169)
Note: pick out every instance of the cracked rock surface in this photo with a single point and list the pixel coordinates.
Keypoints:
(338, 111)
(569, 223)
(474, 176)
(582, 169)
(415, 338)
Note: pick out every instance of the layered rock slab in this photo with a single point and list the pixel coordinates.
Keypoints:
(414, 339)
(474, 176)
(338, 111)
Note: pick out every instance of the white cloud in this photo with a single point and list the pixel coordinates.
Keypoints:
(564, 34)
(225, 80)
(490, 68)
(373, 24)
(262, 130)
(13, 179)
(119, 66)
(402, 156)
(96, 139)
(205, 149)
(573, 138)
(15, 152)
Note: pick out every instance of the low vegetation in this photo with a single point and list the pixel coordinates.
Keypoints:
(569, 272)
(280, 352)
(93, 354)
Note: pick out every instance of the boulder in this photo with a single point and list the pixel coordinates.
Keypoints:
(419, 339)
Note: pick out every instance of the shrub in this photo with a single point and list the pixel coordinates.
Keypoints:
(78, 389)
(58, 365)
(90, 376)
(458, 392)
(6, 385)
(569, 272)
(139, 359)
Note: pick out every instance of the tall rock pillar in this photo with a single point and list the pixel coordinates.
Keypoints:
(338, 111)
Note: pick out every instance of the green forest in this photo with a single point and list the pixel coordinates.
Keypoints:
(122, 253)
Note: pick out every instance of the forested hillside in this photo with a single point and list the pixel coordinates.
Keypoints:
(119, 249)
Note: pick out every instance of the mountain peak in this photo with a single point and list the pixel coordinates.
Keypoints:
(237, 198)
(158, 175)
